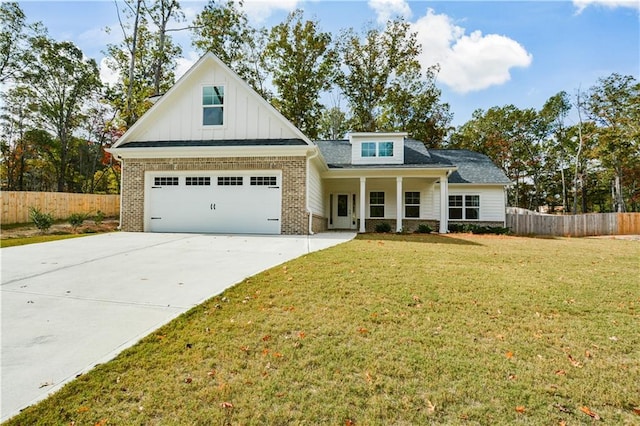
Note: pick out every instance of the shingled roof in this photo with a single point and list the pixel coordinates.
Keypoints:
(472, 167)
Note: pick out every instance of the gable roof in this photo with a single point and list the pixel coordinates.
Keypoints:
(337, 154)
(472, 167)
(278, 127)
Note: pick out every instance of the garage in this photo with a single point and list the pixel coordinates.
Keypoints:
(238, 202)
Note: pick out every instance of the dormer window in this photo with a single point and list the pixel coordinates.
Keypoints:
(368, 149)
(213, 105)
(385, 149)
(377, 149)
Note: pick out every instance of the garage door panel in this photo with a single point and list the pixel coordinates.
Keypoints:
(225, 204)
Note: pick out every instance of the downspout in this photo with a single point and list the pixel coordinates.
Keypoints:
(119, 160)
(309, 212)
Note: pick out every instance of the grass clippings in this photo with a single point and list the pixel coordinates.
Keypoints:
(416, 329)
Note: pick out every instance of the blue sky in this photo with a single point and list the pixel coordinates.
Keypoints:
(491, 53)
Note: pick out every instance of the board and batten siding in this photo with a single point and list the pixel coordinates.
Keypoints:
(179, 117)
(492, 201)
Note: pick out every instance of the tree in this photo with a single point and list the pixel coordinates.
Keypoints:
(14, 35)
(17, 119)
(223, 29)
(413, 105)
(145, 60)
(60, 80)
(333, 124)
(372, 65)
(161, 13)
(303, 65)
(614, 106)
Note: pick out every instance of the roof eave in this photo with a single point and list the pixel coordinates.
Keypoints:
(208, 151)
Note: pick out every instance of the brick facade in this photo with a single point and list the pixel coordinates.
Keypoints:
(294, 213)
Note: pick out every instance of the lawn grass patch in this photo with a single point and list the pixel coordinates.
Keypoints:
(390, 329)
(21, 241)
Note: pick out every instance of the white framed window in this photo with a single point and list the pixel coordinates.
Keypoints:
(376, 204)
(368, 149)
(412, 204)
(464, 207)
(376, 149)
(213, 105)
(385, 149)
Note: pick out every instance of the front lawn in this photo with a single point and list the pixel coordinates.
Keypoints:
(457, 329)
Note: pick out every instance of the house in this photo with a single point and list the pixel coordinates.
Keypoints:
(212, 156)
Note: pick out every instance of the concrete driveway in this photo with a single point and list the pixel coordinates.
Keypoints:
(69, 305)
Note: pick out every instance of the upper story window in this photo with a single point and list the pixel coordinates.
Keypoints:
(385, 149)
(213, 105)
(368, 149)
(377, 149)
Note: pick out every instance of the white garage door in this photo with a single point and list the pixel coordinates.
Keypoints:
(214, 202)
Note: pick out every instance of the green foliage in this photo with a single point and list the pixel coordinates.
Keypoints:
(99, 217)
(77, 219)
(223, 28)
(423, 228)
(383, 227)
(41, 220)
(303, 65)
(373, 64)
(477, 229)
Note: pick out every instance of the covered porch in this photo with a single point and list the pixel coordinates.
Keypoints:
(404, 199)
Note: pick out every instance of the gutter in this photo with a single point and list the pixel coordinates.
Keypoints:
(309, 212)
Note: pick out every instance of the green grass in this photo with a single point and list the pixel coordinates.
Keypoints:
(391, 330)
(21, 241)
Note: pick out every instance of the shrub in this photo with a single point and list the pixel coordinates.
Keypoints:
(476, 229)
(76, 219)
(383, 227)
(423, 228)
(98, 218)
(41, 220)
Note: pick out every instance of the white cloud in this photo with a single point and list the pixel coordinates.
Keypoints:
(259, 11)
(389, 9)
(467, 62)
(107, 75)
(612, 4)
(185, 63)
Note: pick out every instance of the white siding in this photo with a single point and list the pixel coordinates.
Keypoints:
(179, 117)
(492, 207)
(316, 198)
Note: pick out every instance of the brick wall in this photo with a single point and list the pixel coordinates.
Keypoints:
(319, 223)
(294, 214)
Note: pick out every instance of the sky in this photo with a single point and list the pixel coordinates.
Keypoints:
(490, 53)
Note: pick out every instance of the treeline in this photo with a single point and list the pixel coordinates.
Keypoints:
(57, 116)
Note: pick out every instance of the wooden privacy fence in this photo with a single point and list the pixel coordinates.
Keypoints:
(580, 225)
(16, 205)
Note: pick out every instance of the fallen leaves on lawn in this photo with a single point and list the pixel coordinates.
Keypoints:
(430, 407)
(226, 405)
(509, 355)
(83, 409)
(520, 409)
(574, 361)
(563, 408)
(590, 413)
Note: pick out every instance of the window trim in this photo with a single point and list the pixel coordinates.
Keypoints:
(371, 150)
(406, 204)
(371, 204)
(464, 207)
(210, 106)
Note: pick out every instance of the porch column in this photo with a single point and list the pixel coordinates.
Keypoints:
(444, 204)
(363, 199)
(399, 204)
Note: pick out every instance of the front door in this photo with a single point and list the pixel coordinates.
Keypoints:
(344, 213)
